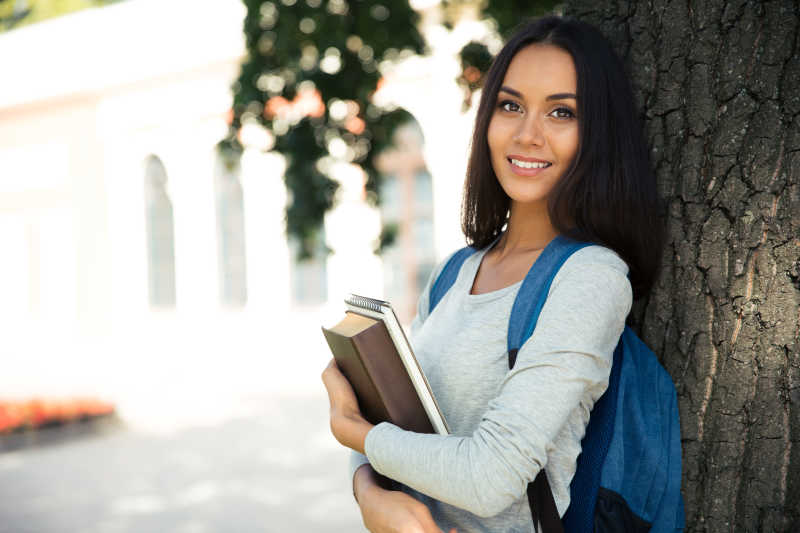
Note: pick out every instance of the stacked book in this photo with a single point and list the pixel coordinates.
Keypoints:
(373, 353)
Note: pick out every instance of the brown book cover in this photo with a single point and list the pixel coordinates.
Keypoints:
(367, 357)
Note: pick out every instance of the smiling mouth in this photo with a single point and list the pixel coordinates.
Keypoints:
(528, 164)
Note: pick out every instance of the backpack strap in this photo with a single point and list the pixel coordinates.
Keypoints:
(524, 316)
(533, 292)
(522, 322)
(448, 276)
(540, 498)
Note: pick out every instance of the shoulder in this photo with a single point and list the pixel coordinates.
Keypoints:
(594, 272)
(597, 256)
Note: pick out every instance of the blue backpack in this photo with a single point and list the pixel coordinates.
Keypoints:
(628, 475)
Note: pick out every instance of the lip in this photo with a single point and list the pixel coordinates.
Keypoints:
(526, 171)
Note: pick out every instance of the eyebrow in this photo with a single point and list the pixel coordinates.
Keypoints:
(557, 96)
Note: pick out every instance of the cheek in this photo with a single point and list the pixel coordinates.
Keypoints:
(568, 145)
(495, 138)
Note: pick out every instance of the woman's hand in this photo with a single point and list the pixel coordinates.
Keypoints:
(347, 424)
(391, 511)
(384, 510)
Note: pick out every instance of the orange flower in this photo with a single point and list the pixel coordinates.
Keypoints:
(276, 106)
(306, 103)
(355, 125)
(11, 416)
(472, 74)
(37, 412)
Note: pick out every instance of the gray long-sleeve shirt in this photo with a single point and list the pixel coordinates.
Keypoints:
(506, 425)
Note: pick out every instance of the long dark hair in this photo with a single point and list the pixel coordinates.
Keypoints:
(608, 196)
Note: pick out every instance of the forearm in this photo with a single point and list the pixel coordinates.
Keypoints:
(459, 471)
(559, 373)
(488, 470)
(350, 429)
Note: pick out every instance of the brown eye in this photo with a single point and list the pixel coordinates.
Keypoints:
(563, 112)
(509, 105)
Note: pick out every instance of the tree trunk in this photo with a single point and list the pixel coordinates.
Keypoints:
(719, 84)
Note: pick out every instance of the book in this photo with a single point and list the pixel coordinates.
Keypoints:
(373, 353)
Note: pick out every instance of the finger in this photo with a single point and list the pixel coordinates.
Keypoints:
(332, 372)
(330, 365)
(329, 379)
(331, 375)
(340, 392)
(334, 380)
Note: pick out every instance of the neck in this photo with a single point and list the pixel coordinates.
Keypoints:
(529, 229)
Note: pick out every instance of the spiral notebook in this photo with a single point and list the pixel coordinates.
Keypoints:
(372, 350)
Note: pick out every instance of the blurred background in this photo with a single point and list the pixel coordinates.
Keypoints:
(188, 190)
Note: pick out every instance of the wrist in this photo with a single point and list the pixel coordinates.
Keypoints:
(350, 429)
(352, 415)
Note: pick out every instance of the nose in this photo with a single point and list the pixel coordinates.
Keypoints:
(530, 131)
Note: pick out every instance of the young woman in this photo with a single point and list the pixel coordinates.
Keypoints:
(557, 150)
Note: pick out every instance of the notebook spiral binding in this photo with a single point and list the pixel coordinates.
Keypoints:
(384, 311)
(366, 303)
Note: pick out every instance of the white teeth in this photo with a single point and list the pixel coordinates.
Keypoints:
(529, 164)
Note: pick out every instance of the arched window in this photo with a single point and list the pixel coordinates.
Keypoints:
(231, 255)
(160, 235)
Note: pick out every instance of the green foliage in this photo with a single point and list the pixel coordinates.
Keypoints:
(387, 237)
(305, 214)
(297, 47)
(475, 62)
(335, 47)
(14, 14)
(509, 14)
(11, 14)
(505, 16)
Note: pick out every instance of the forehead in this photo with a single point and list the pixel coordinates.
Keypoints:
(542, 68)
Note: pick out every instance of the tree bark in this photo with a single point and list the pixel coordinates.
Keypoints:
(719, 85)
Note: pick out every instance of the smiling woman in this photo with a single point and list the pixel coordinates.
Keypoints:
(562, 86)
(558, 156)
(533, 134)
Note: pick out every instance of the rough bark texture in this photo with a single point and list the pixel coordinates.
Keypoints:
(719, 83)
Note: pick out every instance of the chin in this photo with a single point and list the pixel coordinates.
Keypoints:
(527, 197)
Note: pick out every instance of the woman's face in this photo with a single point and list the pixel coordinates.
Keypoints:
(533, 133)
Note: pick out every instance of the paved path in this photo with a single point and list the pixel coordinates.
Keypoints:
(277, 469)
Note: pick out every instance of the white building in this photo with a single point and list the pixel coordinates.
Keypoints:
(108, 122)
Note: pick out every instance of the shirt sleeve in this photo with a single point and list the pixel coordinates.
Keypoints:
(564, 366)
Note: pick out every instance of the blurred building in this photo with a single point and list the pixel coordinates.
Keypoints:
(126, 238)
(111, 198)
(407, 207)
